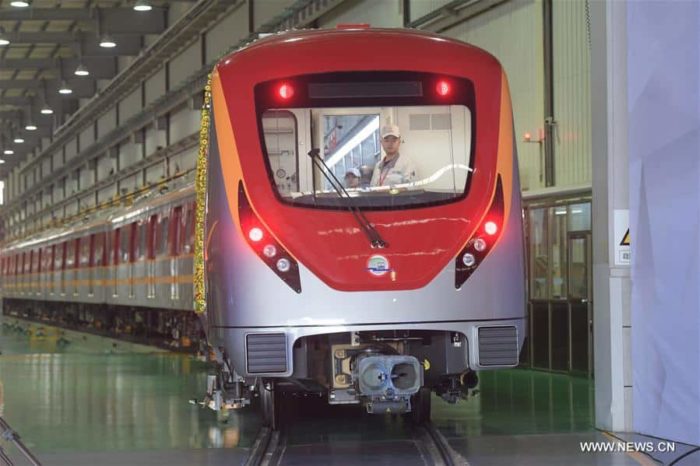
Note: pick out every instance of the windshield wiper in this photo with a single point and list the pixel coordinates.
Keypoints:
(375, 240)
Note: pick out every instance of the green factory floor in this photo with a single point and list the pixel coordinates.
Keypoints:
(83, 401)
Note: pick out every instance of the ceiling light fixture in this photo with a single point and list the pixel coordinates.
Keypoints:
(81, 70)
(8, 152)
(30, 127)
(107, 42)
(46, 110)
(142, 5)
(3, 38)
(64, 89)
(19, 3)
(18, 140)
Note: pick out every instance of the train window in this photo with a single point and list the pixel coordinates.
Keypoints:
(24, 263)
(132, 252)
(31, 261)
(391, 139)
(52, 266)
(70, 254)
(188, 236)
(91, 251)
(63, 252)
(175, 231)
(100, 252)
(115, 246)
(152, 227)
(142, 238)
(162, 239)
(85, 251)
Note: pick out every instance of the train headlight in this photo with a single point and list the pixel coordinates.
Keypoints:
(479, 244)
(255, 234)
(270, 250)
(468, 259)
(490, 228)
(283, 265)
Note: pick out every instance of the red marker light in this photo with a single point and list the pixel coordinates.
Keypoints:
(442, 88)
(285, 91)
(490, 228)
(255, 234)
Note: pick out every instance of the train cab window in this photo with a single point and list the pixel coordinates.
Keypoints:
(393, 140)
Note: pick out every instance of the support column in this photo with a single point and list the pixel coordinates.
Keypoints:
(611, 282)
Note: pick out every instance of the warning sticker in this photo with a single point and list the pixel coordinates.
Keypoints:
(622, 237)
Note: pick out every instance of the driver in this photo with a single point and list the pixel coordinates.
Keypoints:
(394, 168)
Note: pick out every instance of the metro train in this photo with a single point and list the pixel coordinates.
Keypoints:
(125, 272)
(378, 292)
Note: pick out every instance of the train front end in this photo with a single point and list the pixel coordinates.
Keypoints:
(363, 226)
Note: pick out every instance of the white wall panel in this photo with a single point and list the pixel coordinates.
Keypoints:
(155, 86)
(183, 123)
(57, 191)
(131, 105)
(226, 33)
(87, 201)
(71, 148)
(513, 33)
(57, 160)
(46, 169)
(106, 194)
(421, 8)
(183, 161)
(572, 109)
(105, 166)
(87, 178)
(71, 209)
(377, 13)
(265, 10)
(155, 173)
(128, 154)
(107, 122)
(87, 137)
(185, 64)
(154, 138)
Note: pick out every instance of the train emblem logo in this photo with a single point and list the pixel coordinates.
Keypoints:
(378, 265)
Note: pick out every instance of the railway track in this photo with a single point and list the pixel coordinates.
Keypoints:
(270, 446)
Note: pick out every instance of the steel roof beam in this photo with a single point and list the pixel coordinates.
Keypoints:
(127, 44)
(99, 67)
(113, 20)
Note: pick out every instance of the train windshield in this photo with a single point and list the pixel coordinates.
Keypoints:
(385, 156)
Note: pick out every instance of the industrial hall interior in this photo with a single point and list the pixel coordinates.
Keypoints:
(349, 232)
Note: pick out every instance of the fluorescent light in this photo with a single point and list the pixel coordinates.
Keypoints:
(30, 127)
(363, 134)
(2, 161)
(19, 3)
(142, 5)
(8, 152)
(19, 140)
(64, 89)
(46, 110)
(560, 212)
(4, 41)
(107, 42)
(81, 70)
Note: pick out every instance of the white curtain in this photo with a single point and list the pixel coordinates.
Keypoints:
(664, 155)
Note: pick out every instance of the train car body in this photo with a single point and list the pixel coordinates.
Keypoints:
(125, 272)
(375, 293)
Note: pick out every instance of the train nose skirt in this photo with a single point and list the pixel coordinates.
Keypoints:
(498, 346)
(266, 353)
